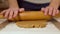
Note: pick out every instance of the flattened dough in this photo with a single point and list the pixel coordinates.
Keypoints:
(32, 24)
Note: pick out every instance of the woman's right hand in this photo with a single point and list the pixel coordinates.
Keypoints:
(11, 12)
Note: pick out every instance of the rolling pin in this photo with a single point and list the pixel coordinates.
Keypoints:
(30, 15)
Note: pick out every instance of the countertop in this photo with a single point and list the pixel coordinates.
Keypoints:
(13, 27)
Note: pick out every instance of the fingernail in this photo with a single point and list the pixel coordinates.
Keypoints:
(49, 13)
(5, 16)
(45, 14)
(53, 15)
(14, 16)
(10, 17)
(22, 8)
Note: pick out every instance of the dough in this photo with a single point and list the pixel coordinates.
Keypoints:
(32, 24)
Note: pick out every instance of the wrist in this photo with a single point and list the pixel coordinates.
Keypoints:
(54, 4)
(13, 7)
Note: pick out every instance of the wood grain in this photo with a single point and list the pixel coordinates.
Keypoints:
(30, 15)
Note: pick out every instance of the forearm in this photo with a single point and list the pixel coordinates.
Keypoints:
(55, 3)
(13, 3)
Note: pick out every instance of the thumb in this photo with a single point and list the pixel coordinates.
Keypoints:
(42, 9)
(21, 10)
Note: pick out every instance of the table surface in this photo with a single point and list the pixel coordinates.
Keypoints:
(13, 27)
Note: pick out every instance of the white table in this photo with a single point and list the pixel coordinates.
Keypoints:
(12, 27)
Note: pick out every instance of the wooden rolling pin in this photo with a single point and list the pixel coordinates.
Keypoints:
(30, 15)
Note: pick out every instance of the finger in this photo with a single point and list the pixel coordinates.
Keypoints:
(57, 12)
(54, 12)
(11, 14)
(46, 11)
(15, 13)
(42, 9)
(50, 11)
(3, 12)
(21, 10)
(6, 14)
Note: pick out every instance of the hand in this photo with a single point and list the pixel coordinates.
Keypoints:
(11, 12)
(50, 10)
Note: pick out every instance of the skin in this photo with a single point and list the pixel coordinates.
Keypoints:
(13, 10)
(52, 9)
